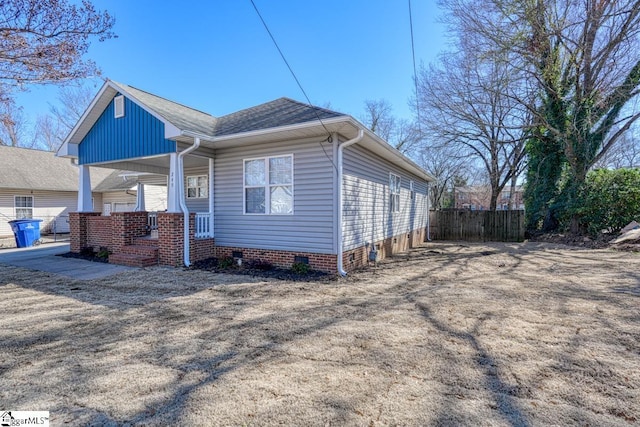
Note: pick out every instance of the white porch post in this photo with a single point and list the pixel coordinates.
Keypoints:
(84, 189)
(211, 201)
(173, 186)
(140, 207)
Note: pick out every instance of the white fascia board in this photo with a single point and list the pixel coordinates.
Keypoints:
(400, 159)
(68, 149)
(262, 132)
(65, 150)
(170, 130)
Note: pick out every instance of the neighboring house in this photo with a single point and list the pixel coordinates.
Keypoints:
(280, 182)
(478, 198)
(37, 184)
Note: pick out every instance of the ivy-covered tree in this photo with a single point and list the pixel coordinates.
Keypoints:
(582, 62)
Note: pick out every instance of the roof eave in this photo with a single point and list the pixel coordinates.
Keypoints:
(339, 125)
(69, 147)
(409, 164)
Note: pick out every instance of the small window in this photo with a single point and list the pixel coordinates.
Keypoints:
(411, 190)
(268, 185)
(118, 104)
(394, 192)
(197, 187)
(24, 207)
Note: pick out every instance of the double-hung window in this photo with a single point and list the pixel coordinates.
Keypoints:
(394, 193)
(198, 187)
(268, 185)
(23, 206)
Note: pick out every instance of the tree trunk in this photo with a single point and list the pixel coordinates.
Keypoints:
(512, 193)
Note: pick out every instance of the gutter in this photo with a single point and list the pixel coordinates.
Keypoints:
(341, 148)
(183, 205)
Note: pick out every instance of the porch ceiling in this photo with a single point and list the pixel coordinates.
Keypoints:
(156, 165)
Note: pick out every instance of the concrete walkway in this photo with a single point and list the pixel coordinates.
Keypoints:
(43, 258)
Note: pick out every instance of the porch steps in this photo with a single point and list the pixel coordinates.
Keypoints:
(138, 255)
(146, 241)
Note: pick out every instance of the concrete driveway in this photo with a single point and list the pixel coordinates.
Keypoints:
(43, 258)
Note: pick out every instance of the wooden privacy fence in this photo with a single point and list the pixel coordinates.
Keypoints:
(477, 226)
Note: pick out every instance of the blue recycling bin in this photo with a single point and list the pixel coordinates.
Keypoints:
(26, 231)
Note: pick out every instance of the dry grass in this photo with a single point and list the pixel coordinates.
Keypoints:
(500, 334)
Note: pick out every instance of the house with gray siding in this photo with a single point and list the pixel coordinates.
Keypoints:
(38, 184)
(281, 182)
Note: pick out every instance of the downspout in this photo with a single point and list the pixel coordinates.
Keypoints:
(183, 205)
(428, 212)
(341, 148)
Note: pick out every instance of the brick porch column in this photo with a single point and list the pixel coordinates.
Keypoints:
(126, 226)
(79, 229)
(170, 244)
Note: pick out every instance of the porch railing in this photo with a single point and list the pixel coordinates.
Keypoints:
(203, 225)
(152, 224)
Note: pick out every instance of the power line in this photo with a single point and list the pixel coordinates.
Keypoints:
(266, 27)
(415, 72)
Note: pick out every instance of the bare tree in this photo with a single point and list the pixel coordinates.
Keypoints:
(13, 124)
(582, 59)
(44, 41)
(52, 129)
(407, 138)
(448, 167)
(468, 104)
(73, 100)
(47, 133)
(378, 117)
(624, 154)
(403, 134)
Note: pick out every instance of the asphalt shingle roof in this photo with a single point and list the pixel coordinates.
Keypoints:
(181, 116)
(22, 168)
(281, 112)
(273, 114)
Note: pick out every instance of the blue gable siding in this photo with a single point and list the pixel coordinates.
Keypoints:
(137, 134)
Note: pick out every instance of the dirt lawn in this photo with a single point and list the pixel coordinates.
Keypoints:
(452, 334)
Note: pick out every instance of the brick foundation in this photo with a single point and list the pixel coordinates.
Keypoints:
(90, 230)
(359, 257)
(279, 258)
(199, 249)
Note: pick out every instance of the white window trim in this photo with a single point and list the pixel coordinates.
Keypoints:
(266, 186)
(395, 207)
(118, 106)
(412, 191)
(206, 178)
(15, 208)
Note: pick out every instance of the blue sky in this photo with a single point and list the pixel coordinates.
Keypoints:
(216, 55)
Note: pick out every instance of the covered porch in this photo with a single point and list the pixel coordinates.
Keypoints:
(143, 238)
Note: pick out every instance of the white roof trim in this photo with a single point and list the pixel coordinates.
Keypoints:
(170, 130)
(399, 157)
(69, 146)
